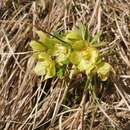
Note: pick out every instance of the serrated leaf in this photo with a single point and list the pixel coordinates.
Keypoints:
(103, 70)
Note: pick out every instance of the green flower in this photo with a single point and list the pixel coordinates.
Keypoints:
(45, 66)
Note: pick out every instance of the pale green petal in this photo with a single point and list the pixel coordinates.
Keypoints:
(61, 54)
(50, 70)
(42, 36)
(82, 65)
(78, 45)
(44, 56)
(75, 57)
(36, 46)
(86, 66)
(74, 35)
(89, 69)
(40, 68)
(103, 70)
(91, 54)
(45, 68)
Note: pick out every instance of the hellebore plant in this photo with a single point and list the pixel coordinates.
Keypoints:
(74, 48)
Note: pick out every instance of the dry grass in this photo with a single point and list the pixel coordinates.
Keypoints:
(27, 102)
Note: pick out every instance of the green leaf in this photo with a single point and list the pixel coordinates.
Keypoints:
(95, 38)
(60, 72)
(103, 70)
(74, 35)
(82, 31)
(88, 35)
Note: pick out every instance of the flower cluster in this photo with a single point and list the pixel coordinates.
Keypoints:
(53, 54)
